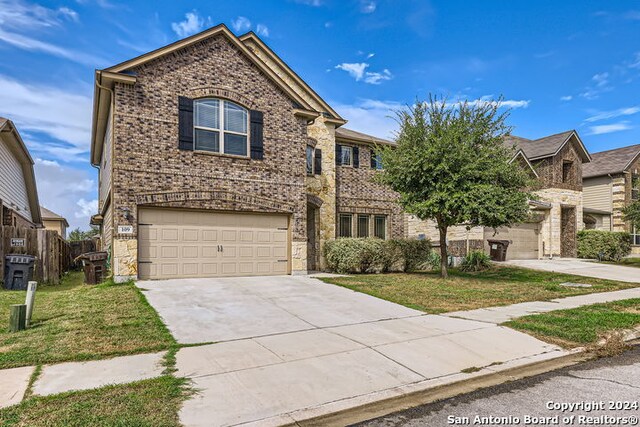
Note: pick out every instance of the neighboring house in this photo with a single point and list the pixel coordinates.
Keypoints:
(18, 192)
(53, 221)
(216, 159)
(556, 162)
(611, 182)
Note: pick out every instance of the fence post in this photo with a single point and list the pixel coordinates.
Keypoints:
(31, 297)
(17, 317)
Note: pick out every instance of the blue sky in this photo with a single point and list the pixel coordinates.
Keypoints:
(559, 65)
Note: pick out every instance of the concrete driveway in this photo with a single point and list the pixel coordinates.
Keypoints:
(581, 268)
(292, 348)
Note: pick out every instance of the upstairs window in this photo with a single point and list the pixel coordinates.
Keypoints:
(566, 170)
(635, 186)
(376, 160)
(309, 160)
(220, 127)
(346, 155)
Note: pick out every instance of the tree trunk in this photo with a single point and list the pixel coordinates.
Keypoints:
(444, 256)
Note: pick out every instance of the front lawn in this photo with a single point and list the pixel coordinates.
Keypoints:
(467, 291)
(153, 402)
(580, 326)
(73, 321)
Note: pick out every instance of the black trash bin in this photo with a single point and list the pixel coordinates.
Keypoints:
(498, 249)
(18, 271)
(95, 267)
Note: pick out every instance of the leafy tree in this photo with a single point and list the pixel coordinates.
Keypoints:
(632, 212)
(78, 234)
(450, 165)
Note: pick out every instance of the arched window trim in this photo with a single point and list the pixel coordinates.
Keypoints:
(220, 130)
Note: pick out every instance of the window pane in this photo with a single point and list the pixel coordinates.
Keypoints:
(235, 144)
(363, 225)
(208, 113)
(207, 140)
(380, 227)
(309, 160)
(345, 226)
(346, 156)
(235, 118)
(377, 159)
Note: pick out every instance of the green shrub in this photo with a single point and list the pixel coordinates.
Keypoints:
(476, 261)
(370, 255)
(434, 261)
(603, 245)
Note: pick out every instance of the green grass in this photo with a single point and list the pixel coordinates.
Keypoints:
(73, 321)
(467, 291)
(580, 326)
(628, 262)
(152, 403)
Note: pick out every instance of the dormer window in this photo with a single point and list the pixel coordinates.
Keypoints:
(220, 126)
(566, 170)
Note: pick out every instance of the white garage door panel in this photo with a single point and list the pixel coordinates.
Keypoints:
(524, 240)
(181, 243)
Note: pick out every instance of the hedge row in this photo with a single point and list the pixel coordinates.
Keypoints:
(603, 245)
(373, 255)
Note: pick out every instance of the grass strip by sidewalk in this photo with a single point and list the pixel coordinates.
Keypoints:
(627, 262)
(152, 403)
(75, 322)
(580, 326)
(467, 291)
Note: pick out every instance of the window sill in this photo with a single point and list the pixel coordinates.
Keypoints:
(212, 153)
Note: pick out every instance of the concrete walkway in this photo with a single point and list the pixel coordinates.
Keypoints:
(581, 268)
(497, 315)
(14, 383)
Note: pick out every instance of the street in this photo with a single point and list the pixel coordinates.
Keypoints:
(599, 392)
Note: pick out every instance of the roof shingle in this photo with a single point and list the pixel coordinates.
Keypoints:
(610, 161)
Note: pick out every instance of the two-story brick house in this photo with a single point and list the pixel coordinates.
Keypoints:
(556, 162)
(612, 182)
(216, 159)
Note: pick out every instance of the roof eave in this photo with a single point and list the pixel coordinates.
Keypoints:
(363, 140)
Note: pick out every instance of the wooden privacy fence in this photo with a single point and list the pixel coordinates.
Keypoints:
(52, 252)
(80, 247)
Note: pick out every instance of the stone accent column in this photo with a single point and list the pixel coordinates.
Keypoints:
(324, 185)
(619, 202)
(124, 259)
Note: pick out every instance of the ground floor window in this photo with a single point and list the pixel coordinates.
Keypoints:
(344, 226)
(635, 235)
(362, 225)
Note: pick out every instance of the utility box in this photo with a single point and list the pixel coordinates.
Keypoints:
(95, 267)
(498, 249)
(18, 271)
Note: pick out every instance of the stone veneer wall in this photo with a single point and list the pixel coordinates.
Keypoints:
(417, 227)
(357, 193)
(150, 170)
(619, 201)
(550, 169)
(551, 226)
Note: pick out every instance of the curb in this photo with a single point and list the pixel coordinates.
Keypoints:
(410, 400)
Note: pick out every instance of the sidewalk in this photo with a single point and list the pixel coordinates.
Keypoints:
(581, 267)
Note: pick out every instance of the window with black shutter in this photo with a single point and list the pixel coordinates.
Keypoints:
(356, 157)
(317, 162)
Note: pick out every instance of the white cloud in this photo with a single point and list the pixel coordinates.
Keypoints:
(601, 79)
(28, 43)
(21, 15)
(367, 6)
(65, 116)
(377, 78)
(192, 24)
(371, 55)
(241, 24)
(67, 191)
(614, 113)
(262, 30)
(355, 70)
(615, 127)
(566, 98)
(635, 62)
(314, 3)
(69, 14)
(371, 116)
(506, 103)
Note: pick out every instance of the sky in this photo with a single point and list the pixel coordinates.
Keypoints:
(558, 65)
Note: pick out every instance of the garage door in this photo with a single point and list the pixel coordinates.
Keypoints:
(524, 240)
(182, 243)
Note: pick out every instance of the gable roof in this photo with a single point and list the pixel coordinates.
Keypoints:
(523, 156)
(253, 37)
(19, 149)
(121, 72)
(349, 135)
(547, 146)
(48, 215)
(611, 161)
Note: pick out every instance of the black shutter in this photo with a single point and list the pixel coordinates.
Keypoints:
(373, 159)
(356, 157)
(317, 162)
(338, 154)
(257, 142)
(185, 123)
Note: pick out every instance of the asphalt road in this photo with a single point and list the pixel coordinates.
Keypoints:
(596, 385)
